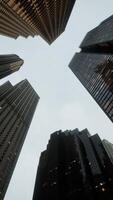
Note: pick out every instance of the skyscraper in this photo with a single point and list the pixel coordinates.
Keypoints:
(9, 64)
(17, 106)
(75, 165)
(93, 66)
(100, 38)
(47, 18)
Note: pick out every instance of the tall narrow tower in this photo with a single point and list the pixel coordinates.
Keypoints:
(17, 106)
(47, 18)
(93, 66)
(9, 64)
(75, 165)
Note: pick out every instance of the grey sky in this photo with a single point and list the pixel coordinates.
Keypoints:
(64, 103)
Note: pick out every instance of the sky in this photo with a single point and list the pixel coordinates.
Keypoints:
(64, 102)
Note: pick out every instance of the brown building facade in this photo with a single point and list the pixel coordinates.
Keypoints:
(47, 18)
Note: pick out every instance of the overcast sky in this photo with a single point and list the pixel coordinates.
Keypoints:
(64, 103)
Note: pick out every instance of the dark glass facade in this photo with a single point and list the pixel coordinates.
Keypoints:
(100, 36)
(9, 64)
(75, 165)
(95, 72)
(93, 66)
(17, 106)
(47, 18)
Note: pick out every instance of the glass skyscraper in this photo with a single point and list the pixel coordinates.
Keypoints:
(93, 66)
(9, 64)
(75, 165)
(17, 106)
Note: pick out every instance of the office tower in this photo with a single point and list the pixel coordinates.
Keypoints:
(100, 38)
(17, 106)
(75, 165)
(9, 64)
(93, 66)
(47, 18)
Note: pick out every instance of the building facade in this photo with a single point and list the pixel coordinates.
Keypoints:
(47, 18)
(17, 106)
(9, 64)
(99, 37)
(95, 72)
(93, 66)
(75, 165)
